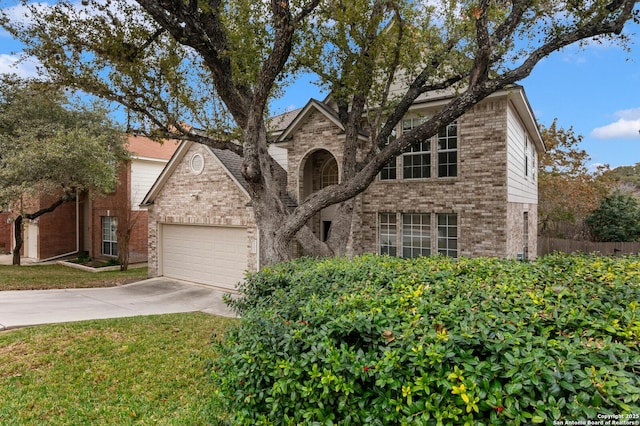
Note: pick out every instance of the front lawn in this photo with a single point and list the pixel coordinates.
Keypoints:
(39, 277)
(141, 370)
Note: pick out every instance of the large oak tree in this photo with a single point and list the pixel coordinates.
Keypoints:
(213, 65)
(51, 150)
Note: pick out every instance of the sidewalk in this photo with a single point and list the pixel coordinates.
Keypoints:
(149, 297)
(7, 259)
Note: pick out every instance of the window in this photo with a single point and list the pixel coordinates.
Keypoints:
(448, 150)
(416, 164)
(448, 234)
(387, 233)
(526, 156)
(196, 163)
(416, 234)
(388, 172)
(329, 174)
(109, 239)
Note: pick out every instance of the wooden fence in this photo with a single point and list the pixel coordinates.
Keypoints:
(548, 245)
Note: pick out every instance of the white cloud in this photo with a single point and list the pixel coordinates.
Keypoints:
(627, 126)
(12, 64)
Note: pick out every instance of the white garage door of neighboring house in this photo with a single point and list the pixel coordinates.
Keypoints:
(204, 254)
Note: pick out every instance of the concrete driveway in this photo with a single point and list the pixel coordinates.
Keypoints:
(148, 297)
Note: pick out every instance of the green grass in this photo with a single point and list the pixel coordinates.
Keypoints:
(57, 276)
(140, 370)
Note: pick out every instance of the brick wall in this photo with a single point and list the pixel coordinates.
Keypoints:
(118, 204)
(208, 198)
(5, 233)
(516, 226)
(57, 230)
(477, 194)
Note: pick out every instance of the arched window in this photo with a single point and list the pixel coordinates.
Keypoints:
(329, 173)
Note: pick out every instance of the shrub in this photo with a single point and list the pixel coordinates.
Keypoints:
(617, 219)
(380, 340)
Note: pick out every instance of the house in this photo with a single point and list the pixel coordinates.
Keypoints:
(89, 223)
(469, 191)
(5, 233)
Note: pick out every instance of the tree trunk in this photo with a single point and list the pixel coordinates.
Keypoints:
(341, 228)
(17, 232)
(123, 249)
(18, 228)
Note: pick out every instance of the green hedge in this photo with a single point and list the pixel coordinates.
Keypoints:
(380, 340)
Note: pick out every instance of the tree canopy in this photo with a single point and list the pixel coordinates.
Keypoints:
(48, 147)
(568, 191)
(205, 70)
(617, 219)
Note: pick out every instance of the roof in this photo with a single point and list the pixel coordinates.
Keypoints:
(230, 162)
(279, 123)
(233, 163)
(142, 146)
(298, 117)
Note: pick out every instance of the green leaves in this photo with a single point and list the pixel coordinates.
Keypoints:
(617, 218)
(379, 340)
(48, 146)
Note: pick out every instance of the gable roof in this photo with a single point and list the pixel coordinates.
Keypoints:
(229, 161)
(297, 118)
(144, 147)
(279, 123)
(302, 114)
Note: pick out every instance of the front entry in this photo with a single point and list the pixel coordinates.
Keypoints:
(320, 171)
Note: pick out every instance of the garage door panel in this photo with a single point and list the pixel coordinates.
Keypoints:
(205, 254)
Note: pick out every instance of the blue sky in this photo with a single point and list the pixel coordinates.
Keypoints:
(595, 89)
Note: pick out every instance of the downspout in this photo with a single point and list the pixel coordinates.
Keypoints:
(77, 236)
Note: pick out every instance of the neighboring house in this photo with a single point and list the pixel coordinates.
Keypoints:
(89, 224)
(469, 191)
(5, 233)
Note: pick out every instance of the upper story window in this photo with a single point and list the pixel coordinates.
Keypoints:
(329, 174)
(448, 150)
(416, 164)
(388, 172)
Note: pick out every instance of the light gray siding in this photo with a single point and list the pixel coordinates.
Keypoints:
(521, 162)
(143, 175)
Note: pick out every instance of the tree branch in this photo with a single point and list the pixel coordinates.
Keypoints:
(64, 199)
(204, 32)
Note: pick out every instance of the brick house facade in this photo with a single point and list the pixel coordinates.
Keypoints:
(80, 226)
(469, 191)
(5, 233)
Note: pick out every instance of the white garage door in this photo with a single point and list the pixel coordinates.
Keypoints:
(204, 254)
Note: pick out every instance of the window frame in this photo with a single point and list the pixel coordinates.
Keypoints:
(330, 164)
(445, 237)
(450, 167)
(417, 152)
(413, 232)
(391, 238)
(109, 237)
(390, 170)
